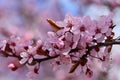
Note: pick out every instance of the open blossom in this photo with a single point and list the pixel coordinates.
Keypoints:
(32, 52)
(77, 35)
(26, 57)
(9, 46)
(61, 43)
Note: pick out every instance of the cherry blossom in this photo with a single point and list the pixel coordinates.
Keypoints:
(78, 37)
(78, 42)
(25, 57)
(32, 53)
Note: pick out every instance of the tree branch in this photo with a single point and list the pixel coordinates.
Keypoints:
(73, 68)
(45, 59)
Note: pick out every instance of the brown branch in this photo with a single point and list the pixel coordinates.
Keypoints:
(81, 61)
(18, 57)
(100, 45)
(73, 68)
(45, 59)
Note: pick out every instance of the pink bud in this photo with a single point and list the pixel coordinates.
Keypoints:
(36, 70)
(12, 66)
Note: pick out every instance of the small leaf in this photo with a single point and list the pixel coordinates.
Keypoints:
(74, 61)
(83, 61)
(41, 52)
(7, 48)
(53, 24)
(109, 49)
(72, 69)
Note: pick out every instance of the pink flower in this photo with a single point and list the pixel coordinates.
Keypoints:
(103, 26)
(32, 52)
(76, 36)
(27, 56)
(79, 41)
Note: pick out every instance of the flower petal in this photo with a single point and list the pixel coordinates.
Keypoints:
(24, 60)
(30, 60)
(24, 54)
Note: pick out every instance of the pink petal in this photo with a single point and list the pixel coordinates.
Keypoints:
(24, 60)
(66, 51)
(30, 60)
(98, 36)
(24, 54)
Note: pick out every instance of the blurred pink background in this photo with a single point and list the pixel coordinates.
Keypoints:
(27, 19)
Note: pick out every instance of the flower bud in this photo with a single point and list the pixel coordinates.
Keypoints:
(12, 66)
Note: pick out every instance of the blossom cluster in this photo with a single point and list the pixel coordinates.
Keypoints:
(77, 41)
(80, 39)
